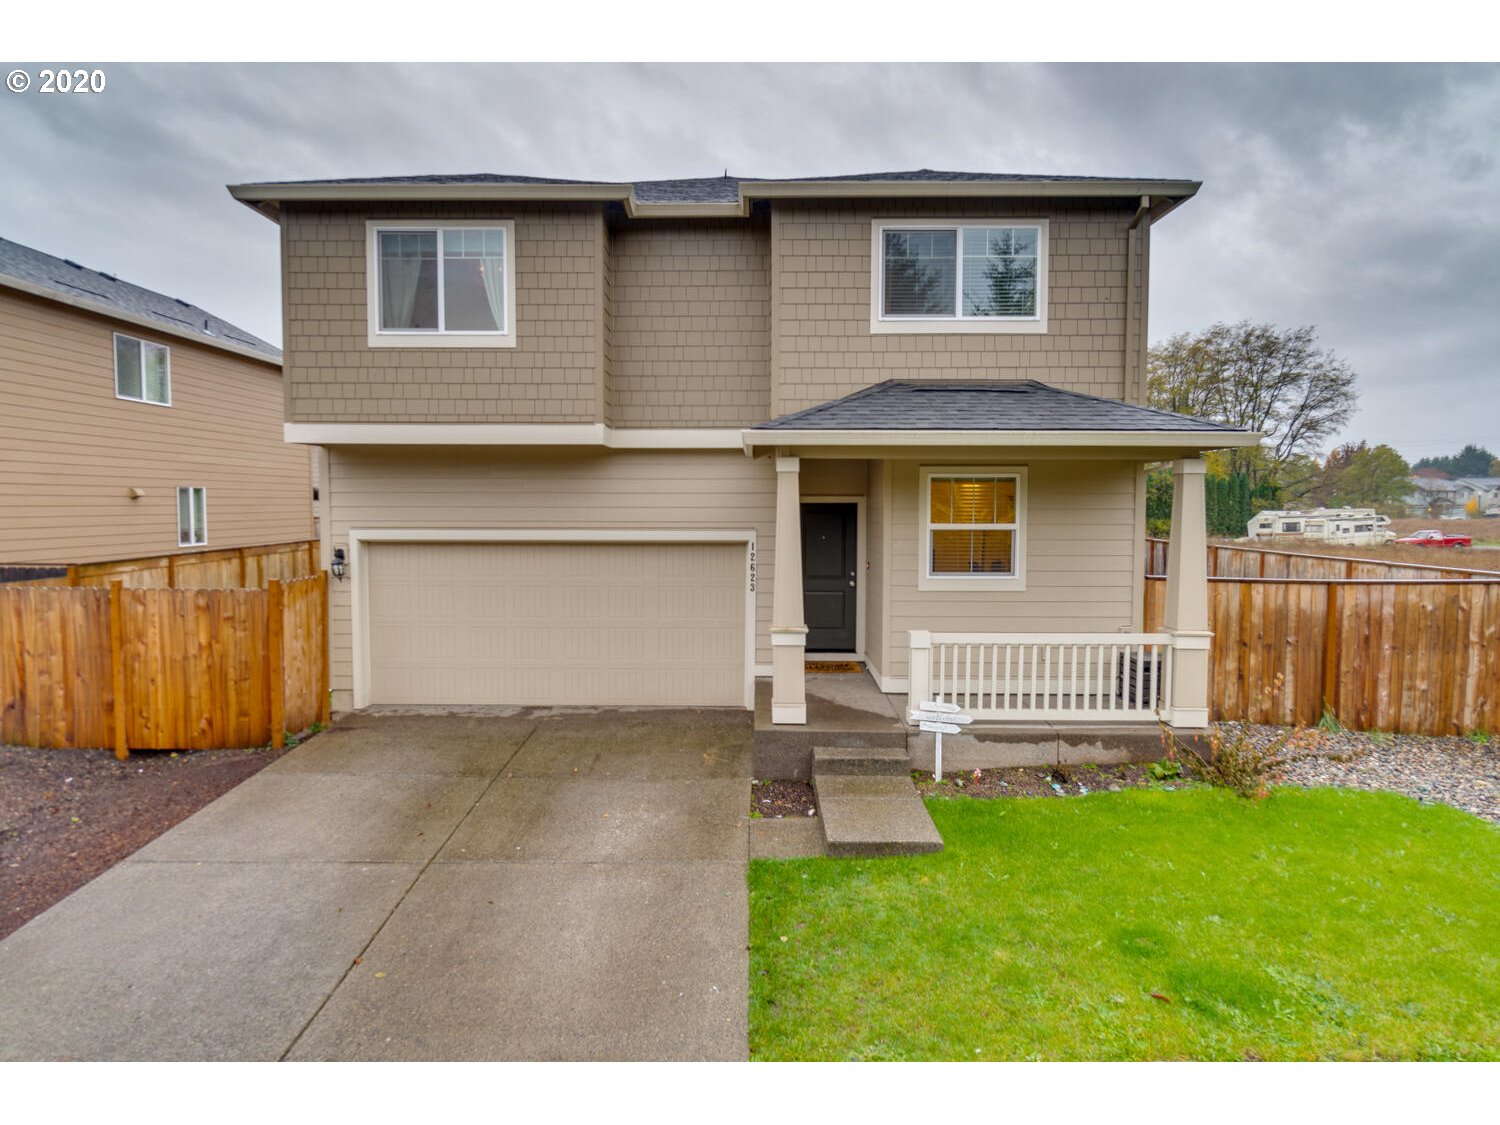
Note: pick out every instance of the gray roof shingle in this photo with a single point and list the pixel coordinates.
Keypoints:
(1021, 404)
(68, 279)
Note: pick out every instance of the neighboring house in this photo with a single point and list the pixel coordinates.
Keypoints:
(1487, 492)
(642, 443)
(1439, 497)
(134, 424)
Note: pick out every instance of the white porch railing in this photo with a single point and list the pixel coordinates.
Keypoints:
(1087, 677)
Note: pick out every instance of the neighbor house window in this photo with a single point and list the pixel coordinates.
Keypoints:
(192, 517)
(931, 276)
(143, 371)
(972, 528)
(442, 286)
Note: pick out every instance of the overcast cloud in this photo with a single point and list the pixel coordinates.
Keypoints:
(1358, 198)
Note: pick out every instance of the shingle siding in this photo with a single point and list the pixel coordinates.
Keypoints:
(822, 344)
(555, 373)
(692, 324)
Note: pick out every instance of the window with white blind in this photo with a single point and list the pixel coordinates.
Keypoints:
(192, 517)
(932, 275)
(447, 285)
(143, 371)
(973, 523)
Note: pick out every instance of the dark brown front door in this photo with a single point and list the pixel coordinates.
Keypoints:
(829, 581)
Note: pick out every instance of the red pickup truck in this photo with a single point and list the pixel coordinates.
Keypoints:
(1435, 539)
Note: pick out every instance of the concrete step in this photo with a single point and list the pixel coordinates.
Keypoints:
(885, 760)
(868, 805)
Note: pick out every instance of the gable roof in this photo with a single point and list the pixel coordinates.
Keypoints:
(992, 405)
(711, 195)
(61, 279)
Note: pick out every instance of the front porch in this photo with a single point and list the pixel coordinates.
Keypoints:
(850, 710)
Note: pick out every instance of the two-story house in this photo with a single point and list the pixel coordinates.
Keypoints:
(644, 443)
(135, 424)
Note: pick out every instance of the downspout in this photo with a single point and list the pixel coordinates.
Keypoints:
(1135, 381)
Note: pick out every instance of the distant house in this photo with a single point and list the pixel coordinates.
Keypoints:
(1487, 489)
(134, 424)
(1440, 497)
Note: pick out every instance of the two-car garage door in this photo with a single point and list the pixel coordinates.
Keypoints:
(608, 624)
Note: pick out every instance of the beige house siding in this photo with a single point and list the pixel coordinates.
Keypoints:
(70, 450)
(555, 373)
(822, 346)
(691, 344)
(877, 588)
(474, 489)
(1082, 553)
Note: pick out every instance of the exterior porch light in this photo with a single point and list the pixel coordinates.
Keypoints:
(338, 567)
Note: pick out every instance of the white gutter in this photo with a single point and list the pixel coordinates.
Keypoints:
(1184, 439)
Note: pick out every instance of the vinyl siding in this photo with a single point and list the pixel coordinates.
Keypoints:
(555, 373)
(69, 449)
(1081, 556)
(822, 346)
(691, 331)
(471, 489)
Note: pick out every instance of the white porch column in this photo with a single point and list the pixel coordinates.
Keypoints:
(788, 629)
(1185, 615)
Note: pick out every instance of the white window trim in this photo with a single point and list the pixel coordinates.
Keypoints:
(430, 338)
(144, 343)
(926, 580)
(882, 324)
(181, 488)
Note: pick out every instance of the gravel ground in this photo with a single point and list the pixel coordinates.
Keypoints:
(1462, 772)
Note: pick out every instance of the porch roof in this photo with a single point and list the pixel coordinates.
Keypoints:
(1016, 412)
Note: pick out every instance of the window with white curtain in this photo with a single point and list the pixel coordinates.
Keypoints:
(442, 286)
(143, 371)
(192, 517)
(932, 275)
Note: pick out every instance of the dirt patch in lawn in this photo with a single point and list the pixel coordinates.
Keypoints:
(69, 815)
(777, 799)
(1041, 781)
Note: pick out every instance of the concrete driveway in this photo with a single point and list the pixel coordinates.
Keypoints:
(528, 886)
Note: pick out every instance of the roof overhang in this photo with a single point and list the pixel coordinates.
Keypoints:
(156, 326)
(268, 198)
(865, 443)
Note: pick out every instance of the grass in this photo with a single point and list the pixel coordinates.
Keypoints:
(1315, 924)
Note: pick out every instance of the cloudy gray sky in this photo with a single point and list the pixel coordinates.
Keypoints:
(1357, 198)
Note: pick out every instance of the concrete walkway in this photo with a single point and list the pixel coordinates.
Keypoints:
(558, 886)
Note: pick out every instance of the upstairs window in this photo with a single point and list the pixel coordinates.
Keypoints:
(192, 517)
(442, 286)
(959, 277)
(143, 371)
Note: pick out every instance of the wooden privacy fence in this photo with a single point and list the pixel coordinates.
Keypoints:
(1421, 657)
(1229, 561)
(162, 669)
(200, 570)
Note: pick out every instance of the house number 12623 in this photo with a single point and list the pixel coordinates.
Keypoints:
(752, 568)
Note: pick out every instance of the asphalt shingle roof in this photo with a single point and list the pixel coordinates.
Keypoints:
(68, 279)
(1022, 404)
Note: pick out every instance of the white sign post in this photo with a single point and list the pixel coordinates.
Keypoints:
(939, 718)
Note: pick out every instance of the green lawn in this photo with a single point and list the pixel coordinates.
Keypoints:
(1315, 924)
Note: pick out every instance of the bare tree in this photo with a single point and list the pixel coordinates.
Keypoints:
(1278, 382)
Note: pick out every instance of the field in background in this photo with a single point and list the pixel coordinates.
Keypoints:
(1467, 558)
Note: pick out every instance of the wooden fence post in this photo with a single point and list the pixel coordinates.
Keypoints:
(242, 568)
(1331, 629)
(276, 661)
(117, 666)
(171, 572)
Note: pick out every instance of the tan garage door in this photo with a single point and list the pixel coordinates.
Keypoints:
(557, 623)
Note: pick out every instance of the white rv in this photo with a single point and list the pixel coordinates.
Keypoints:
(1347, 527)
